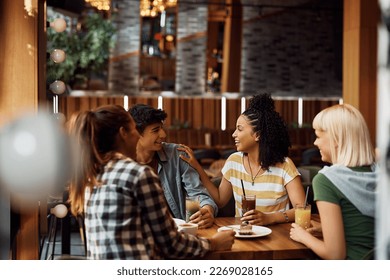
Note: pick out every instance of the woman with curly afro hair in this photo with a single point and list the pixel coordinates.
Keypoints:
(260, 166)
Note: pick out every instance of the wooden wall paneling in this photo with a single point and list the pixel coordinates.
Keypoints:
(310, 109)
(197, 113)
(233, 111)
(105, 101)
(171, 135)
(167, 107)
(294, 135)
(95, 102)
(72, 105)
(217, 114)
(179, 111)
(145, 100)
(182, 136)
(201, 137)
(153, 102)
(279, 107)
(225, 138)
(193, 138)
(170, 111)
(361, 18)
(85, 103)
(118, 101)
(208, 113)
(132, 101)
(185, 113)
(63, 106)
(191, 113)
(292, 111)
(175, 113)
(288, 109)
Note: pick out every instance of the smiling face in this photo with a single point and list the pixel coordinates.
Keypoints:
(152, 137)
(323, 143)
(244, 136)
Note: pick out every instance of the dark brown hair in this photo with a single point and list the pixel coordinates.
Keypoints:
(94, 133)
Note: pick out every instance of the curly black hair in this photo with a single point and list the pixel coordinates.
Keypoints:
(145, 115)
(269, 125)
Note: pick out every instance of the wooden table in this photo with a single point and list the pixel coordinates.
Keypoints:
(275, 246)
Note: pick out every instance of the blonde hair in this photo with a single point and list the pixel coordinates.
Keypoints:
(350, 143)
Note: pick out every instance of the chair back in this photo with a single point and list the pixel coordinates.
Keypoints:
(229, 210)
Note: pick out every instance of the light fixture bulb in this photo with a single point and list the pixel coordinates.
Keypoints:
(60, 211)
(59, 25)
(57, 87)
(58, 56)
(60, 117)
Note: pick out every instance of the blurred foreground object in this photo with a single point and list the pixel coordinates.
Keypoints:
(35, 157)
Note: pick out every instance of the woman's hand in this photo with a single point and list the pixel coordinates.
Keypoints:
(255, 217)
(190, 159)
(298, 233)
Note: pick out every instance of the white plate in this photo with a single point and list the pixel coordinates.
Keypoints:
(258, 231)
(179, 221)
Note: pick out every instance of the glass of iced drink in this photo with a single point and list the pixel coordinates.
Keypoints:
(192, 206)
(303, 215)
(248, 203)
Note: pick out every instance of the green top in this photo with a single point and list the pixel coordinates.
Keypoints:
(359, 229)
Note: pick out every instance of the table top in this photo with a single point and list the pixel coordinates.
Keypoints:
(275, 246)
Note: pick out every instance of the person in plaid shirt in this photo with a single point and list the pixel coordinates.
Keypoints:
(126, 215)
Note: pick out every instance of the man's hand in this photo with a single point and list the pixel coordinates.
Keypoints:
(204, 217)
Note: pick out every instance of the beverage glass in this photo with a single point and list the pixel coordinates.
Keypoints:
(248, 203)
(192, 206)
(303, 215)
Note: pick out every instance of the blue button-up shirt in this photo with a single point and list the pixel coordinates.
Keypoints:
(179, 180)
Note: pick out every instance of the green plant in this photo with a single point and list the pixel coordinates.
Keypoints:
(177, 124)
(87, 50)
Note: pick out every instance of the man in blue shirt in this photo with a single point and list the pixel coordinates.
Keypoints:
(178, 178)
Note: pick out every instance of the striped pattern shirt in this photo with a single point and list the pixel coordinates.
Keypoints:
(126, 217)
(269, 187)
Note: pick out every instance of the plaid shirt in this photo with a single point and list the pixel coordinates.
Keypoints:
(127, 217)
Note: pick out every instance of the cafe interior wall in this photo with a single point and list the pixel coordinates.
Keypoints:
(293, 52)
(124, 61)
(191, 49)
(287, 52)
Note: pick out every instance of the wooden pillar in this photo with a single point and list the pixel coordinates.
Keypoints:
(22, 86)
(360, 58)
(231, 69)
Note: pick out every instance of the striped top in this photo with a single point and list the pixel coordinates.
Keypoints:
(269, 187)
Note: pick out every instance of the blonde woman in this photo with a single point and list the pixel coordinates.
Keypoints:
(345, 191)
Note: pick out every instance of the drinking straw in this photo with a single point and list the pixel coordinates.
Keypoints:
(307, 193)
(243, 190)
